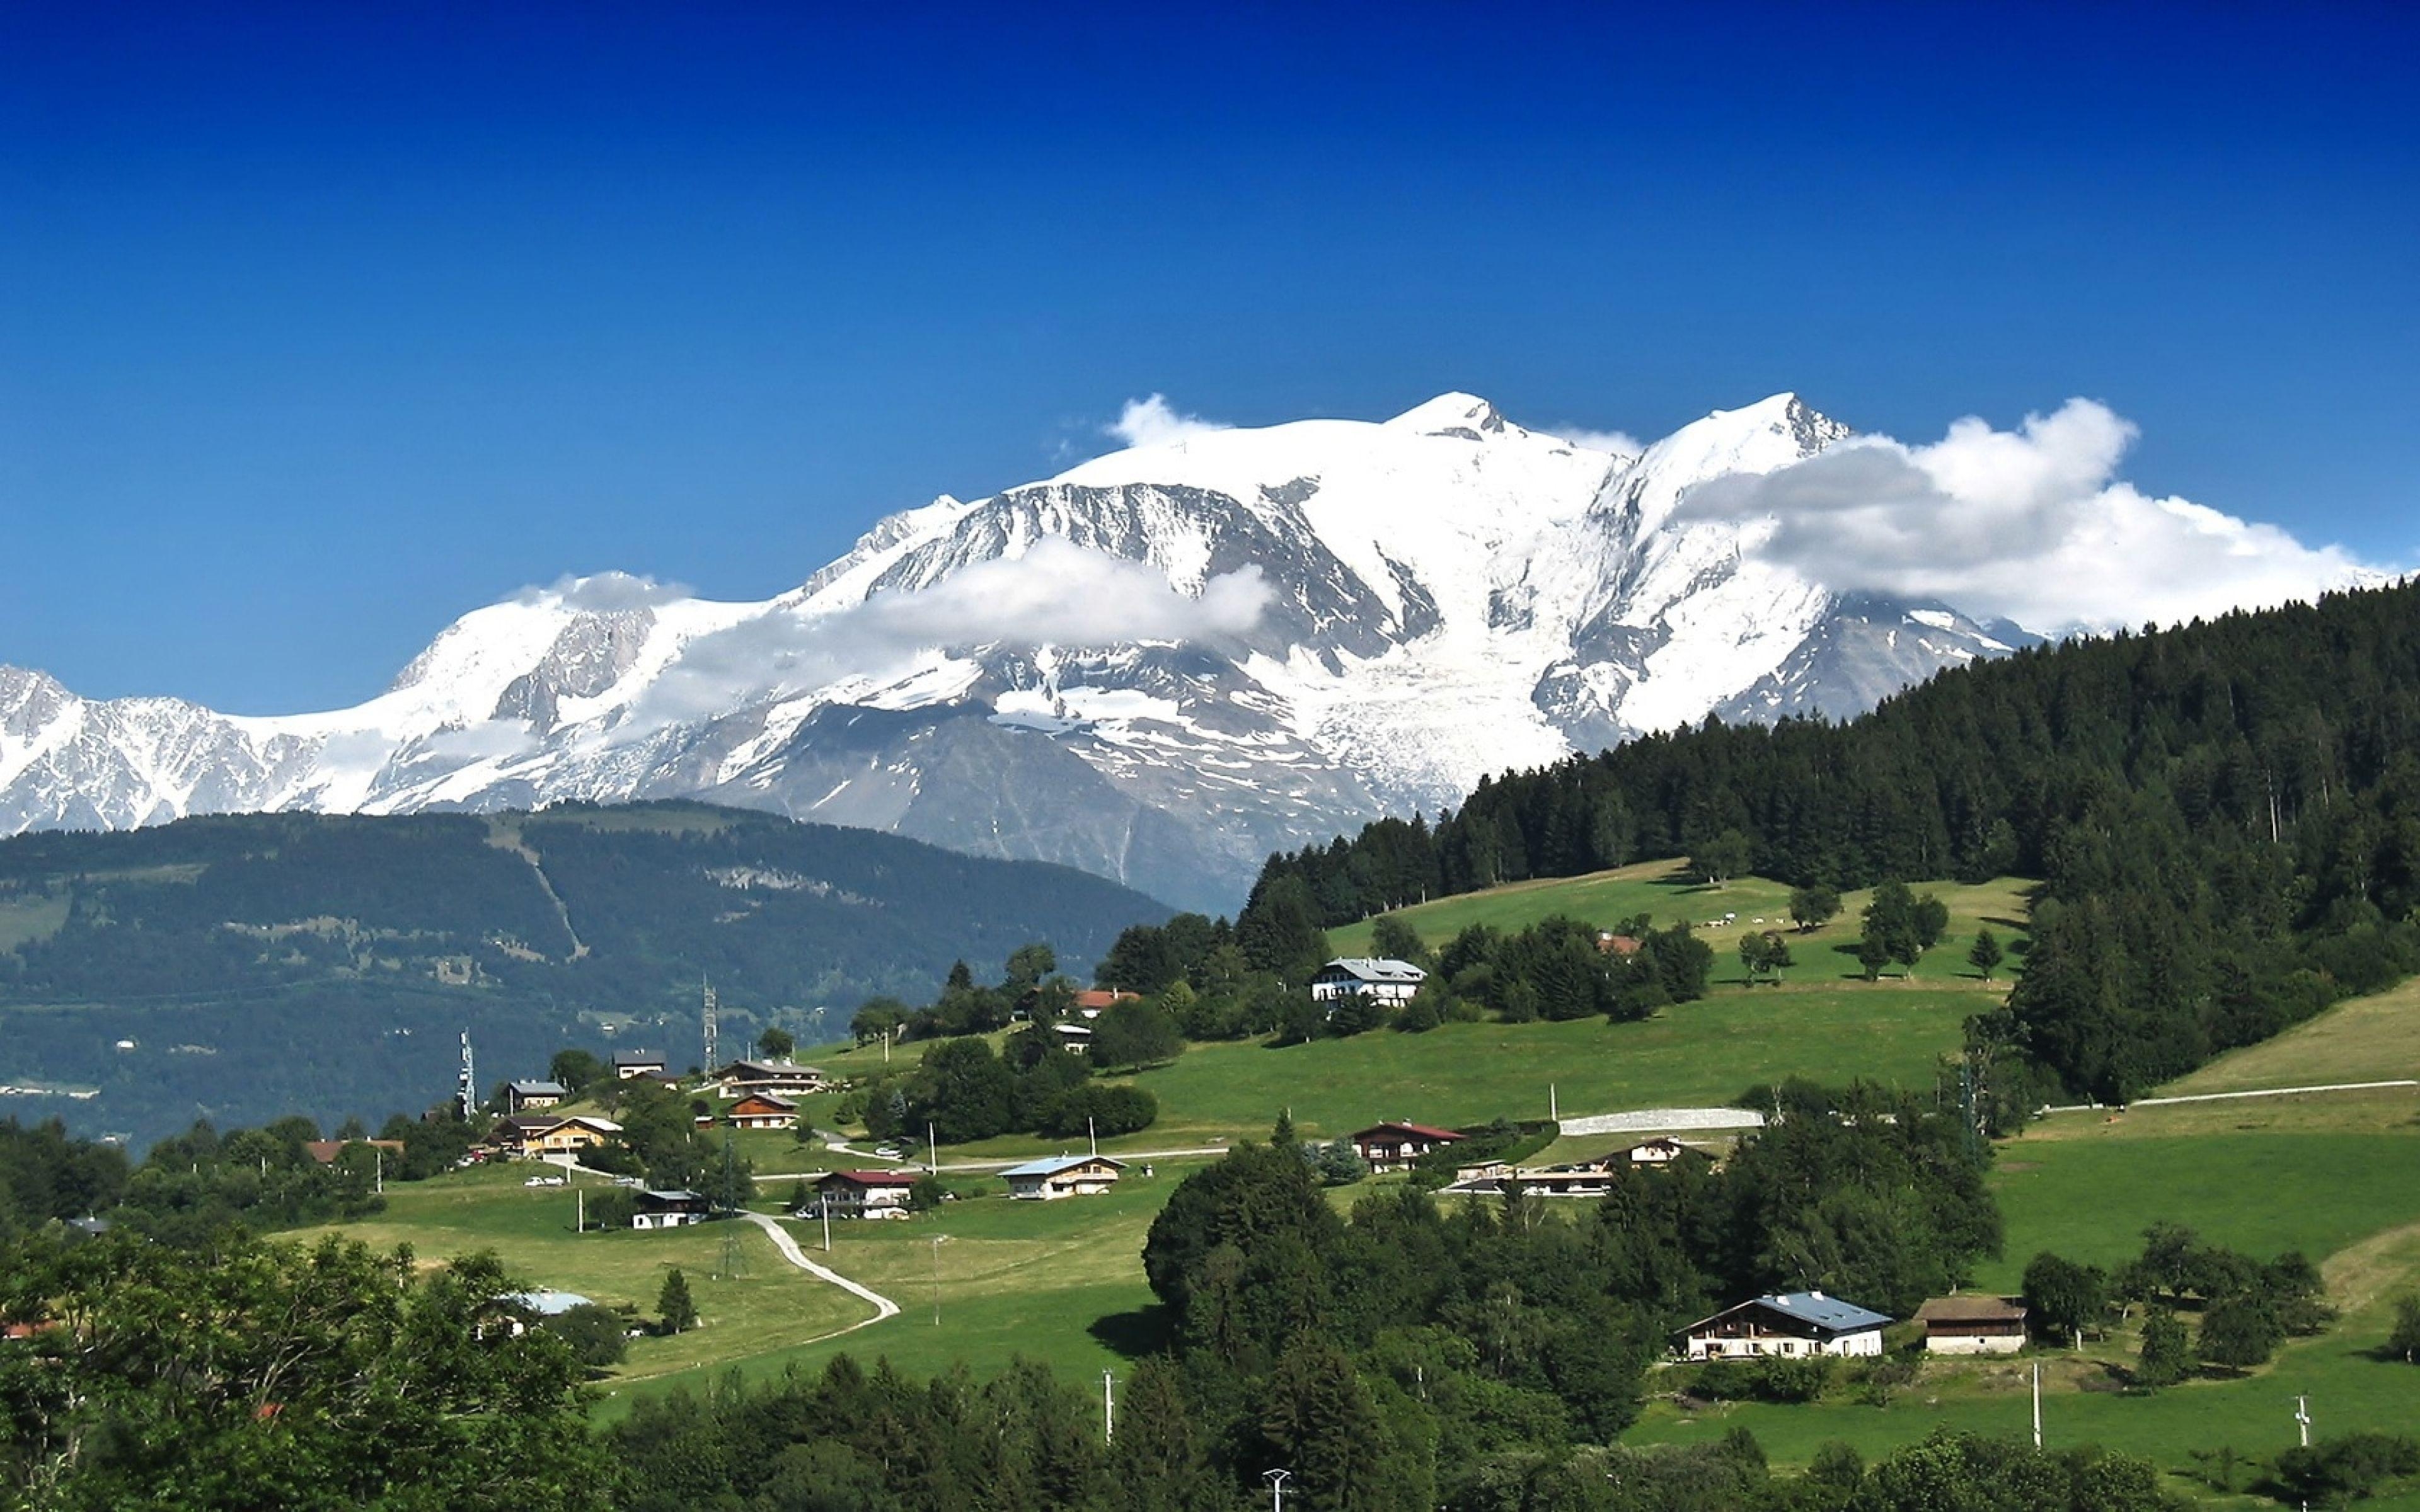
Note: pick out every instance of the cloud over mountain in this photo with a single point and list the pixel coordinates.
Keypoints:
(2032, 524)
(1153, 421)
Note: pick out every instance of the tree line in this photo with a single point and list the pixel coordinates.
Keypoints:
(2223, 818)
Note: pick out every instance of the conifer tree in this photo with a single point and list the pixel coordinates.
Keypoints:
(674, 1304)
(1985, 955)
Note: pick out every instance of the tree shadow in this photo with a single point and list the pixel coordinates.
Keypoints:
(1136, 1332)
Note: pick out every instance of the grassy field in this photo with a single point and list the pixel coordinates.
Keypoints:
(771, 1305)
(1664, 890)
(2334, 1176)
(1700, 1053)
(1059, 1282)
(2366, 1039)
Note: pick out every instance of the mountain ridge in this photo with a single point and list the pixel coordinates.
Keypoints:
(1158, 665)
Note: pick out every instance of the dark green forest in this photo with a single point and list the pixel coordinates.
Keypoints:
(2224, 818)
(272, 963)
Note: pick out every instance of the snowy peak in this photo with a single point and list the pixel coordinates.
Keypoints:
(1437, 596)
(1463, 416)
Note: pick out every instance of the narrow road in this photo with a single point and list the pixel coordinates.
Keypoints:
(971, 1167)
(2229, 1097)
(883, 1306)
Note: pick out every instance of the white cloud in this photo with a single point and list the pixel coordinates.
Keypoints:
(605, 592)
(1153, 421)
(1619, 442)
(2031, 524)
(1058, 593)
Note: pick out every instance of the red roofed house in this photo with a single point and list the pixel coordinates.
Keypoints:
(1093, 999)
(864, 1193)
(1393, 1147)
(1609, 943)
(763, 1110)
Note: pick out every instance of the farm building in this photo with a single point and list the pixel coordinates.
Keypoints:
(670, 1209)
(1393, 1147)
(863, 1193)
(1064, 1176)
(1388, 980)
(763, 1110)
(1972, 1325)
(1787, 1323)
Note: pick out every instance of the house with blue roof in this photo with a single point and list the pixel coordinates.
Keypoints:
(1064, 1176)
(1788, 1324)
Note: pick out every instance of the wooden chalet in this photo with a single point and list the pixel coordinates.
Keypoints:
(1981, 1324)
(629, 1065)
(1064, 1176)
(763, 1110)
(521, 1096)
(781, 1078)
(1393, 1147)
(660, 1208)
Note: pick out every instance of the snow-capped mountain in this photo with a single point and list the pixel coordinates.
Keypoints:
(1157, 666)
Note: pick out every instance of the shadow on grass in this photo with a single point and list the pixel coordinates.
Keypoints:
(1137, 1332)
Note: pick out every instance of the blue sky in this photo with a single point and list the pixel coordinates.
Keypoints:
(321, 324)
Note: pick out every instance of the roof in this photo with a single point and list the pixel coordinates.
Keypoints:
(1366, 968)
(768, 1070)
(876, 1177)
(1055, 1164)
(1105, 997)
(1983, 1308)
(1422, 1130)
(639, 1057)
(537, 1088)
(546, 1304)
(675, 1195)
(1813, 1308)
(768, 1100)
(1609, 943)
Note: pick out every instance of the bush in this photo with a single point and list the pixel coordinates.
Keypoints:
(597, 1334)
(1765, 1378)
(1113, 1110)
(2353, 1465)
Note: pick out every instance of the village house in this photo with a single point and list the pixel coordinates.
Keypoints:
(629, 1065)
(1790, 1323)
(1064, 1176)
(326, 1151)
(669, 1210)
(1393, 1147)
(1388, 980)
(780, 1078)
(541, 1136)
(521, 1096)
(1091, 1000)
(1661, 1151)
(1609, 943)
(1972, 1325)
(763, 1110)
(1077, 1039)
(863, 1193)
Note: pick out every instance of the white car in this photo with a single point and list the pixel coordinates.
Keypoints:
(887, 1152)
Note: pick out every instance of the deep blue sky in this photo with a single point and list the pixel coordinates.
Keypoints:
(318, 328)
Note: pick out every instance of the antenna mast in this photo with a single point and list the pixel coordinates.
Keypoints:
(466, 1083)
(709, 1016)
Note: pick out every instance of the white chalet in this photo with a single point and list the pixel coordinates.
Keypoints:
(1787, 1323)
(1388, 980)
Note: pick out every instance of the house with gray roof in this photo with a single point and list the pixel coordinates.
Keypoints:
(1064, 1176)
(1386, 980)
(1788, 1324)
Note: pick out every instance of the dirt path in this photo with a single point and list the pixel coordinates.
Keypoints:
(883, 1306)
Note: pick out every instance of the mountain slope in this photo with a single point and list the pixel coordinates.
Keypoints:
(1364, 617)
(274, 962)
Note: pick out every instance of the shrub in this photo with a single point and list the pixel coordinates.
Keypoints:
(596, 1335)
(2353, 1465)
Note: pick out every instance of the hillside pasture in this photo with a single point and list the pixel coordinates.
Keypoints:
(1666, 891)
(2361, 1040)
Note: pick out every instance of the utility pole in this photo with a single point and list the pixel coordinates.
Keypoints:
(377, 1157)
(1109, 1407)
(580, 1210)
(1277, 1479)
(2037, 1404)
(2303, 1418)
(825, 1208)
(1553, 1109)
(932, 1151)
(1092, 1131)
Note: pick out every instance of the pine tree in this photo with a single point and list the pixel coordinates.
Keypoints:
(674, 1304)
(1985, 956)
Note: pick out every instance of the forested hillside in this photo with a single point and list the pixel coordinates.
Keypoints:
(2224, 819)
(272, 964)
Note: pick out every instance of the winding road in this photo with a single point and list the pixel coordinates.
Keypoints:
(783, 1241)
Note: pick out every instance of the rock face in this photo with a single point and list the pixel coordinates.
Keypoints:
(1439, 596)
